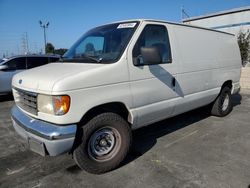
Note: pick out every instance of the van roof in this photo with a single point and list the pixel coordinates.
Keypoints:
(173, 23)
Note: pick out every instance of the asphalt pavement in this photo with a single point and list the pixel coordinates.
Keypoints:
(190, 150)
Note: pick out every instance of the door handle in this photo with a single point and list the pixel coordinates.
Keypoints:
(173, 81)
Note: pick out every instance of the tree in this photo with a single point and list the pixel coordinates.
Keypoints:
(60, 51)
(244, 45)
(49, 48)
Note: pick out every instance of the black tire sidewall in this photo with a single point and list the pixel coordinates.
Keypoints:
(225, 91)
(81, 154)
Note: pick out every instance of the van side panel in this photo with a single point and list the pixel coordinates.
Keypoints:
(208, 59)
(229, 59)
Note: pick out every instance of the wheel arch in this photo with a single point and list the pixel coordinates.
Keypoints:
(115, 107)
(228, 83)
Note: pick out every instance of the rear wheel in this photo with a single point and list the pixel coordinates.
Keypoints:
(222, 106)
(105, 143)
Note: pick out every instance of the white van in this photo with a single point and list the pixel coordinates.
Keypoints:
(119, 77)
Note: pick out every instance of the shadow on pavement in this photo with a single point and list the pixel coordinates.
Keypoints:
(74, 169)
(6, 97)
(236, 99)
(145, 138)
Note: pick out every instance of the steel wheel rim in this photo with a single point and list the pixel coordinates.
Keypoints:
(104, 144)
(225, 103)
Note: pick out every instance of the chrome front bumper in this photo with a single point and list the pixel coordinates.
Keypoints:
(43, 137)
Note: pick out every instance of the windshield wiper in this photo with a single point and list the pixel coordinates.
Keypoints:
(91, 58)
(81, 58)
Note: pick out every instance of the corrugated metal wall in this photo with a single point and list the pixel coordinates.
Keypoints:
(231, 23)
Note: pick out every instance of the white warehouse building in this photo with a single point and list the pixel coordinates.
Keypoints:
(231, 21)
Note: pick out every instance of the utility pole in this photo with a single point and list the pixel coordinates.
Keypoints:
(23, 44)
(182, 8)
(183, 13)
(44, 26)
(27, 43)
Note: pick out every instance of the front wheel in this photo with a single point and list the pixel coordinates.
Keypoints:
(105, 143)
(222, 106)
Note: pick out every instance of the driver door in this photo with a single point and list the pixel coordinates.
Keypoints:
(153, 87)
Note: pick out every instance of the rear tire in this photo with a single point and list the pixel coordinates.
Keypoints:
(105, 143)
(222, 105)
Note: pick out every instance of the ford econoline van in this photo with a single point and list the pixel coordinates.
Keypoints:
(119, 77)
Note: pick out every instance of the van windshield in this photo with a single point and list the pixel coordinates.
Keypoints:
(103, 44)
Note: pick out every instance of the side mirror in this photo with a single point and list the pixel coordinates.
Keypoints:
(150, 55)
(3, 67)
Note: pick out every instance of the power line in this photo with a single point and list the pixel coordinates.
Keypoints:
(24, 43)
(184, 14)
(27, 43)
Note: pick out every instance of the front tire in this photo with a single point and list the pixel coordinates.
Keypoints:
(222, 106)
(105, 143)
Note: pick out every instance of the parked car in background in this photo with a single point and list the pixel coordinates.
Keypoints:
(10, 66)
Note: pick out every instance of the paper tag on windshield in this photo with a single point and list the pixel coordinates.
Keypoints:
(126, 25)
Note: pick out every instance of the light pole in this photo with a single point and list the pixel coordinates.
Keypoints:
(44, 26)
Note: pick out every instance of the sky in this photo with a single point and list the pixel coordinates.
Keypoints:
(69, 19)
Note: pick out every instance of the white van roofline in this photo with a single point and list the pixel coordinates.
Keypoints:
(168, 22)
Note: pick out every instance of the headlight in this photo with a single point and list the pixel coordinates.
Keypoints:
(56, 105)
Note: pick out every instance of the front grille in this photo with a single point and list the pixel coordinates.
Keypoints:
(26, 100)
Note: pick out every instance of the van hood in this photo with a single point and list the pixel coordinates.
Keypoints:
(44, 78)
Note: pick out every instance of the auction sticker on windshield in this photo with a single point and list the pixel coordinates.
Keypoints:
(126, 25)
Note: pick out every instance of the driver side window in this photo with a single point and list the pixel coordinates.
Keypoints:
(153, 36)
